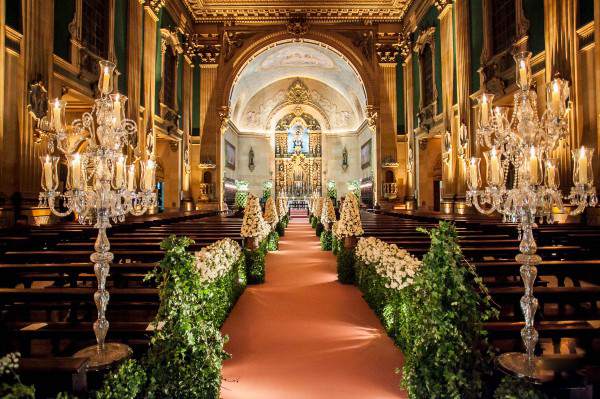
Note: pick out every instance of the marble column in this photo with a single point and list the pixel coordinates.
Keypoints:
(447, 50)
(36, 62)
(560, 34)
(388, 125)
(210, 135)
(187, 84)
(134, 68)
(407, 73)
(463, 87)
(149, 65)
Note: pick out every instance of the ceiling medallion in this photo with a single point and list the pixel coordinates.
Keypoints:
(297, 93)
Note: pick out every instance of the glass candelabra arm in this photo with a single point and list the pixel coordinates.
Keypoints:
(582, 197)
(52, 205)
(480, 198)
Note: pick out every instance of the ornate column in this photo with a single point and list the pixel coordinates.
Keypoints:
(387, 49)
(135, 15)
(373, 124)
(3, 168)
(37, 64)
(147, 136)
(463, 89)
(597, 72)
(187, 84)
(447, 49)
(560, 34)
(409, 114)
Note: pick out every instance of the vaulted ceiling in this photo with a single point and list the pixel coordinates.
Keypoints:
(283, 10)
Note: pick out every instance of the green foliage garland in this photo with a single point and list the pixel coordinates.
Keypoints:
(128, 381)
(326, 240)
(446, 350)
(255, 263)
(273, 241)
(280, 228)
(345, 265)
(335, 244)
(517, 388)
(319, 228)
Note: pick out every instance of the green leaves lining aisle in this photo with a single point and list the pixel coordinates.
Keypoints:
(186, 351)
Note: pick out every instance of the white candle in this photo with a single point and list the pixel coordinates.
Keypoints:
(149, 176)
(495, 168)
(117, 111)
(523, 74)
(56, 115)
(551, 172)
(76, 170)
(119, 174)
(533, 166)
(485, 107)
(105, 80)
(48, 173)
(555, 99)
(583, 167)
(473, 173)
(130, 177)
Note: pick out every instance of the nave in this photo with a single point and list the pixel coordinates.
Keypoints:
(302, 334)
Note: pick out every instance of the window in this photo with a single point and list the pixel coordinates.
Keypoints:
(94, 25)
(427, 78)
(503, 24)
(169, 72)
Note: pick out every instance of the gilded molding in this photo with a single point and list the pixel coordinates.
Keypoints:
(405, 47)
(297, 26)
(204, 46)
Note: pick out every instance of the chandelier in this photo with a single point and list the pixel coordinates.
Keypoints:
(523, 182)
(100, 186)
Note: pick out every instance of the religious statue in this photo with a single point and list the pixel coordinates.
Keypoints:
(251, 159)
(345, 159)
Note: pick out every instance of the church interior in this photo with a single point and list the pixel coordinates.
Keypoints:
(292, 199)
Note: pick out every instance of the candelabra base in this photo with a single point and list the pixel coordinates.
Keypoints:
(111, 355)
(517, 364)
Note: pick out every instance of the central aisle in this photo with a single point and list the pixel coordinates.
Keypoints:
(304, 335)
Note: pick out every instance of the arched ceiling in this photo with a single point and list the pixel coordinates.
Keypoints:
(330, 82)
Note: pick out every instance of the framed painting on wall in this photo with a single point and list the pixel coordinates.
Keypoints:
(229, 155)
(365, 155)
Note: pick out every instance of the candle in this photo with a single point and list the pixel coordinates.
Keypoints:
(149, 176)
(105, 80)
(523, 74)
(130, 177)
(484, 111)
(56, 115)
(551, 172)
(583, 167)
(473, 173)
(533, 166)
(555, 99)
(119, 174)
(117, 111)
(48, 173)
(76, 171)
(494, 168)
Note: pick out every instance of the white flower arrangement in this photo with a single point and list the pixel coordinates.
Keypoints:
(334, 230)
(281, 208)
(350, 224)
(318, 207)
(271, 216)
(216, 260)
(328, 212)
(396, 266)
(253, 224)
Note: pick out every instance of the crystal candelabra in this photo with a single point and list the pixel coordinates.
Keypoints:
(100, 185)
(523, 182)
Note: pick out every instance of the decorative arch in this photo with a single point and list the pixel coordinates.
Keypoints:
(275, 115)
(333, 41)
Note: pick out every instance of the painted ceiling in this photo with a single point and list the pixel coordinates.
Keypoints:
(332, 85)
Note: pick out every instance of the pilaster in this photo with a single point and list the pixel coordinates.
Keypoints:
(188, 77)
(134, 67)
(407, 74)
(147, 135)
(463, 87)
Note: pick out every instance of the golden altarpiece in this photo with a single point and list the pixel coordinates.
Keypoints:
(298, 155)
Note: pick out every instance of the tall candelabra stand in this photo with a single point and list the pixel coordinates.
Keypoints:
(100, 186)
(523, 182)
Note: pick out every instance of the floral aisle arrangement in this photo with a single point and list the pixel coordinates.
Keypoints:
(335, 239)
(354, 188)
(267, 186)
(185, 355)
(327, 220)
(255, 230)
(282, 214)
(331, 190)
(317, 208)
(349, 227)
(272, 218)
(241, 195)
